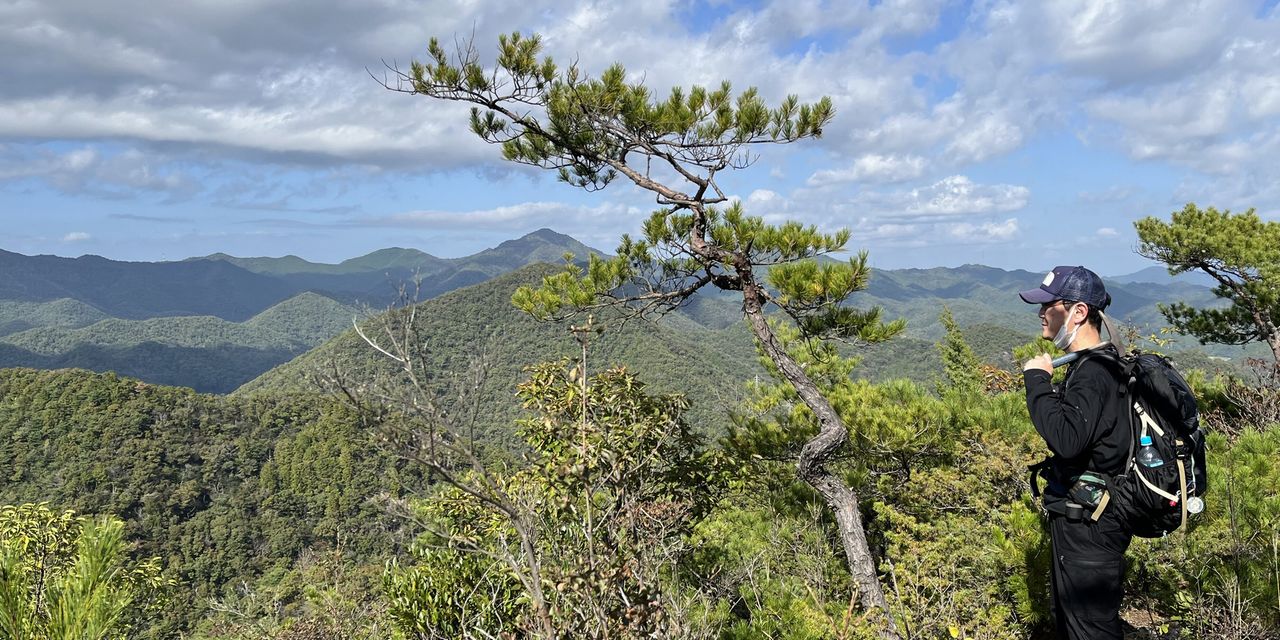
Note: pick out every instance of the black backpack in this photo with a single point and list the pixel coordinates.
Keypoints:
(1153, 501)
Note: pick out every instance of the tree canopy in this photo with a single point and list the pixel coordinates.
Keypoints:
(1241, 252)
(63, 576)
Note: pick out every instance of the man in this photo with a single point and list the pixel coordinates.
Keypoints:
(1083, 422)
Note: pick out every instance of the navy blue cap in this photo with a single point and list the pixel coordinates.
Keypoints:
(1076, 284)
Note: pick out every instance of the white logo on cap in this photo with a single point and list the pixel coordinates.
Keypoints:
(1047, 279)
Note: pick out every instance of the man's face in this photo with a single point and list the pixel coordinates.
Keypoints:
(1052, 315)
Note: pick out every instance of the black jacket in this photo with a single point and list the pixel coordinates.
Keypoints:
(1083, 420)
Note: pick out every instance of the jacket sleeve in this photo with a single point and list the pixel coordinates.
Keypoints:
(1066, 418)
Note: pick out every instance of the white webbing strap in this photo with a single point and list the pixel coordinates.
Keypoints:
(1102, 505)
(1147, 422)
(1157, 490)
(1182, 482)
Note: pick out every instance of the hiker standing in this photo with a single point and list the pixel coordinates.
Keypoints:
(1084, 423)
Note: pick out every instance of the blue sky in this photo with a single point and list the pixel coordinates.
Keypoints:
(1013, 134)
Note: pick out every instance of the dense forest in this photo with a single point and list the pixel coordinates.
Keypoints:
(276, 515)
(220, 490)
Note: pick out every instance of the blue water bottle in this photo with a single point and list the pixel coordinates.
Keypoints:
(1148, 456)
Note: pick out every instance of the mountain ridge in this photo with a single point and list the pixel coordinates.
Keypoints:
(480, 319)
(206, 353)
(303, 309)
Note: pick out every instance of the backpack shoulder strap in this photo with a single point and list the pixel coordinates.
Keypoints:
(1126, 370)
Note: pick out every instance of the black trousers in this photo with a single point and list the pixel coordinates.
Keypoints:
(1087, 575)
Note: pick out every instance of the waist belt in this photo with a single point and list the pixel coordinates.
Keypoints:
(1060, 506)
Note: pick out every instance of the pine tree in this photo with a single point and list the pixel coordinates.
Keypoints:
(960, 364)
(590, 131)
(62, 576)
(1240, 252)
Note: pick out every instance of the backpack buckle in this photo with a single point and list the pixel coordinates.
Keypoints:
(1182, 449)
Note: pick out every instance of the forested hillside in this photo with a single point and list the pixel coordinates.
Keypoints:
(984, 295)
(375, 278)
(203, 352)
(18, 315)
(137, 290)
(673, 355)
(275, 512)
(222, 490)
(237, 289)
(214, 323)
(207, 323)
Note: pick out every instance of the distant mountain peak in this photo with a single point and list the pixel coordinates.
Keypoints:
(543, 235)
(549, 235)
(392, 253)
(392, 258)
(538, 246)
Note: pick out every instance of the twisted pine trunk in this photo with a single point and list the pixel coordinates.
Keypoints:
(832, 433)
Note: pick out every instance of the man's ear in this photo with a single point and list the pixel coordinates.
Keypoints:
(1084, 312)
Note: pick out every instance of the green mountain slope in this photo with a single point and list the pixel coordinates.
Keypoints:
(137, 290)
(210, 323)
(18, 315)
(226, 346)
(675, 355)
(984, 295)
(983, 299)
(203, 352)
(222, 490)
(306, 319)
(1159, 274)
(374, 278)
(236, 289)
(377, 277)
(543, 245)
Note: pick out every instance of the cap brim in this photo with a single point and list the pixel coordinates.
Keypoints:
(1036, 296)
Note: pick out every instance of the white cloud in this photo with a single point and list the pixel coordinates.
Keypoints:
(764, 199)
(359, 124)
(1221, 121)
(157, 106)
(1237, 192)
(987, 232)
(537, 214)
(1142, 40)
(906, 17)
(773, 207)
(991, 135)
(958, 195)
(763, 196)
(874, 168)
(1107, 232)
(880, 236)
(1191, 85)
(88, 170)
(288, 81)
(76, 236)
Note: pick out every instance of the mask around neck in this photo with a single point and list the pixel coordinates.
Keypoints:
(1064, 338)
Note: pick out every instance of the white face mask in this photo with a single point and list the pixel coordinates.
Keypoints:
(1064, 339)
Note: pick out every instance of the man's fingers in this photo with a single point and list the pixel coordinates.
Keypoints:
(1042, 362)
